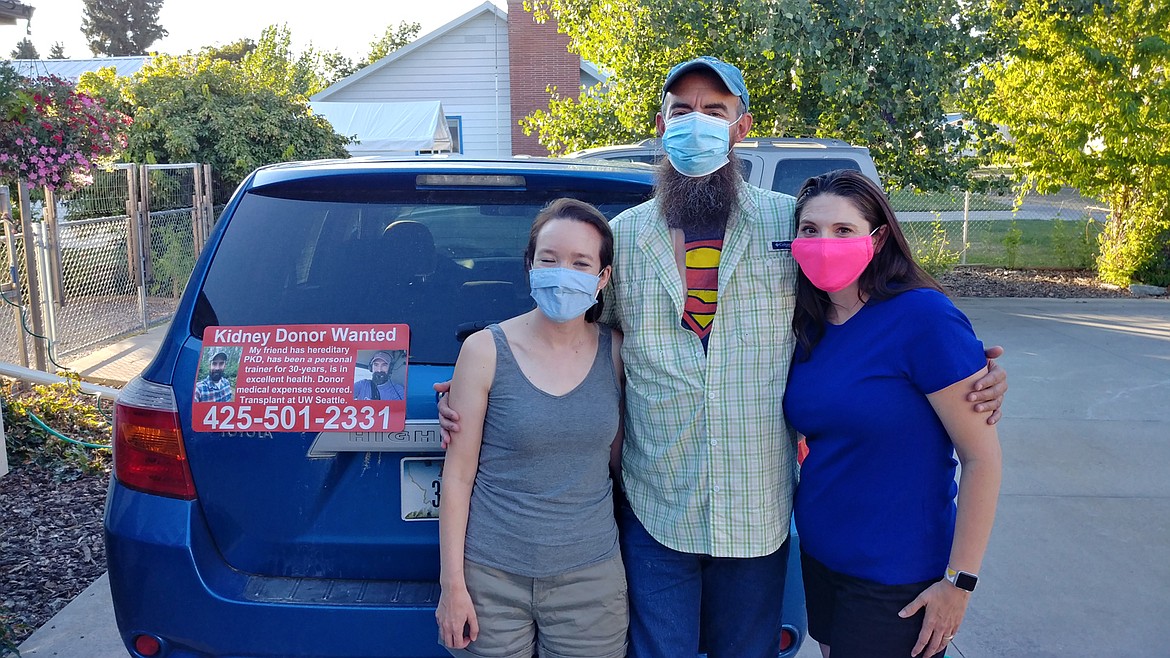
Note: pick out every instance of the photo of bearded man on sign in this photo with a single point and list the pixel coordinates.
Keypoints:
(385, 382)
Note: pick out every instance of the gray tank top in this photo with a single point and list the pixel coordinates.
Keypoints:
(542, 503)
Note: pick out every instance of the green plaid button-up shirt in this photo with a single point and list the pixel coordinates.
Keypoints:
(709, 462)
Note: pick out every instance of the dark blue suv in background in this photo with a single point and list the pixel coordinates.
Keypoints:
(260, 542)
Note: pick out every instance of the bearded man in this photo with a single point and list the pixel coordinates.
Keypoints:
(381, 385)
(215, 387)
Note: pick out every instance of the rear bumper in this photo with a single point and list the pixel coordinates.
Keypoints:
(167, 580)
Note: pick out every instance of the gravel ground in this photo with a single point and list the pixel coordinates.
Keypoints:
(51, 529)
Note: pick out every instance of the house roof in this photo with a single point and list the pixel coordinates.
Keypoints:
(422, 42)
(10, 11)
(71, 69)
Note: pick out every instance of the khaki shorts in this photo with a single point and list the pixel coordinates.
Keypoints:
(580, 614)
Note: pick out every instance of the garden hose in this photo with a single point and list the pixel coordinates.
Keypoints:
(49, 352)
(97, 403)
(48, 341)
(61, 436)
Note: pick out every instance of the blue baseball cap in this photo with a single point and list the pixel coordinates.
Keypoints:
(728, 73)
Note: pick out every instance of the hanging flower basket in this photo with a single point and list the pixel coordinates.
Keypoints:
(51, 135)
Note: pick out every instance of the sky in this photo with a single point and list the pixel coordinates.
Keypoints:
(345, 25)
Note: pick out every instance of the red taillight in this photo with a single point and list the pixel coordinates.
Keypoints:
(148, 444)
(147, 645)
(787, 639)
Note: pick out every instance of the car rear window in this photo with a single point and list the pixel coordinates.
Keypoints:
(791, 174)
(644, 158)
(445, 264)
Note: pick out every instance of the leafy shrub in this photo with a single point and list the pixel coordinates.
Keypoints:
(67, 410)
(172, 260)
(932, 253)
(1135, 247)
(1011, 244)
(1074, 245)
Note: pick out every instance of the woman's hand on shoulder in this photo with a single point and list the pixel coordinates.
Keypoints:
(448, 419)
(945, 607)
(474, 370)
(989, 390)
(458, 625)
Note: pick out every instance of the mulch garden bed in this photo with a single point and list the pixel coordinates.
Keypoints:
(51, 545)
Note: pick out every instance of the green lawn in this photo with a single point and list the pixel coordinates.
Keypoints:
(1035, 243)
(944, 201)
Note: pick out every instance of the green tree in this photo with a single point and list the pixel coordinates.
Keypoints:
(877, 73)
(394, 38)
(338, 66)
(199, 108)
(232, 52)
(1083, 89)
(272, 64)
(57, 51)
(25, 50)
(121, 27)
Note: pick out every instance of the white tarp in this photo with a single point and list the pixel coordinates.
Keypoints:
(383, 128)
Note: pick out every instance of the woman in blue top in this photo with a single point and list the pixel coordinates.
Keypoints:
(884, 361)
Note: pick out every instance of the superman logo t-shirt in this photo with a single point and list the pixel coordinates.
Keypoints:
(702, 278)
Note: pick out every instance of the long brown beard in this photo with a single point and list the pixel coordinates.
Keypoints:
(698, 205)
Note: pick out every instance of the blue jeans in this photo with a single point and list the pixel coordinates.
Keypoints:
(734, 604)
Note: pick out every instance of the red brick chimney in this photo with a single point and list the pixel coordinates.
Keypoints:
(538, 58)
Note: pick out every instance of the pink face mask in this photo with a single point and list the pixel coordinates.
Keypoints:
(831, 264)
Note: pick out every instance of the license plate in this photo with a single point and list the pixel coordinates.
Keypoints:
(421, 482)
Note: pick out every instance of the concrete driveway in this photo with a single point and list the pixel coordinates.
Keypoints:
(1078, 560)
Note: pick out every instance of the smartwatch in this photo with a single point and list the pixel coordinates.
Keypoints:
(962, 579)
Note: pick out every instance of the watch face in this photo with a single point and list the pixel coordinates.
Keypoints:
(966, 581)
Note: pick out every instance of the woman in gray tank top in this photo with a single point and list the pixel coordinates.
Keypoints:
(527, 535)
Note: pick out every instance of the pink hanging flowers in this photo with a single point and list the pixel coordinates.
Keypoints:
(52, 135)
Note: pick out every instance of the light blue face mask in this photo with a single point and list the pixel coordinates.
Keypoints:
(697, 144)
(563, 294)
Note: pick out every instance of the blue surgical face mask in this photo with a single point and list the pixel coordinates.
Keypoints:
(697, 144)
(563, 294)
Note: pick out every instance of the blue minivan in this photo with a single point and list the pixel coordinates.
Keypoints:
(255, 542)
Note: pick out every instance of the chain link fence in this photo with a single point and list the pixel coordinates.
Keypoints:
(86, 237)
(109, 259)
(114, 257)
(968, 228)
(13, 333)
(173, 234)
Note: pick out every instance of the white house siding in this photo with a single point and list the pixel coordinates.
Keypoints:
(466, 69)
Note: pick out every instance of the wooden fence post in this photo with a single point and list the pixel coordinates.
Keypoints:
(30, 274)
(55, 286)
